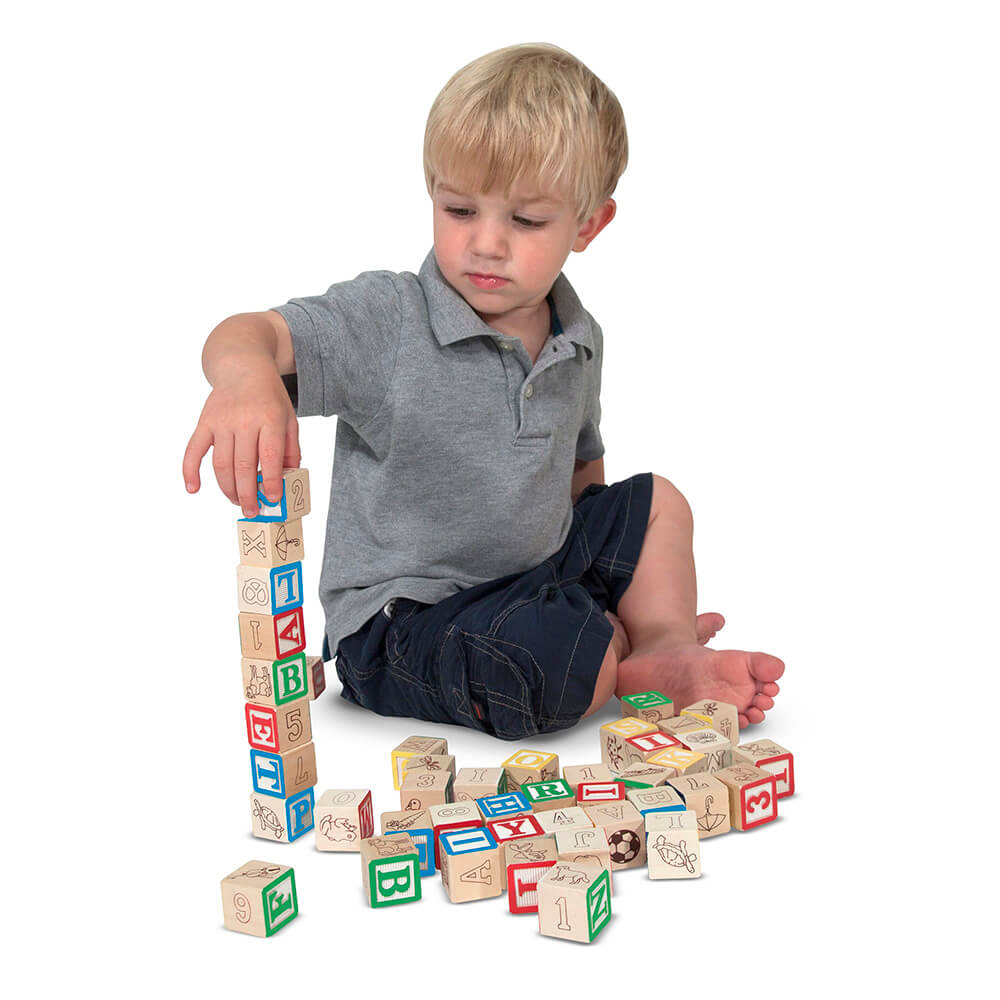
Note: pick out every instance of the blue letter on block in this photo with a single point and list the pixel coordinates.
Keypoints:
(299, 813)
(423, 841)
(286, 587)
(268, 773)
(498, 806)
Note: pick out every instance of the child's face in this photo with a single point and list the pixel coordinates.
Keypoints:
(524, 239)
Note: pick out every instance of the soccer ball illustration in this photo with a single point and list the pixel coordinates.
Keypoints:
(625, 846)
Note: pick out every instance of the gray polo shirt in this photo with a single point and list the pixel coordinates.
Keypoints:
(454, 453)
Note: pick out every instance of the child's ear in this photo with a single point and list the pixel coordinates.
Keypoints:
(595, 224)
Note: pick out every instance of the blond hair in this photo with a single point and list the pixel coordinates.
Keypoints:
(532, 111)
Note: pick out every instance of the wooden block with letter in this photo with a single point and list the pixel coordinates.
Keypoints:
(470, 865)
(515, 828)
(590, 846)
(259, 898)
(570, 818)
(574, 901)
(282, 820)
(447, 816)
(270, 543)
(272, 637)
(427, 763)
(683, 724)
(650, 800)
(344, 818)
(771, 757)
(502, 806)
(317, 676)
(545, 795)
(638, 749)
(268, 590)
(292, 505)
(283, 774)
(390, 870)
(522, 875)
(417, 825)
(672, 845)
(590, 793)
(722, 717)
(613, 737)
(277, 728)
(625, 831)
(525, 852)
(478, 783)
(717, 749)
(708, 799)
(650, 706)
(682, 760)
(413, 746)
(575, 773)
(276, 682)
(421, 789)
(753, 795)
(529, 765)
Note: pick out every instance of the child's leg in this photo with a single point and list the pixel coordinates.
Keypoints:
(658, 613)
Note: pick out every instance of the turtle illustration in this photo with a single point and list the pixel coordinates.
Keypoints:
(675, 855)
(268, 818)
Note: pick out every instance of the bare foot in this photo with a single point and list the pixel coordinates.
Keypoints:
(689, 672)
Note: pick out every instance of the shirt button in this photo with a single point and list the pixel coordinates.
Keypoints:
(529, 392)
(507, 347)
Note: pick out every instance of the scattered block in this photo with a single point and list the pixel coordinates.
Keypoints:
(681, 760)
(683, 724)
(522, 885)
(662, 799)
(646, 775)
(708, 799)
(574, 901)
(269, 590)
(282, 820)
(428, 763)
(414, 746)
(625, 831)
(638, 749)
(259, 898)
(278, 728)
(575, 773)
(515, 828)
(613, 737)
(272, 637)
(650, 706)
(546, 795)
(771, 757)
(452, 816)
(276, 682)
(722, 717)
(390, 870)
(293, 504)
(672, 844)
(283, 774)
(404, 821)
(717, 749)
(343, 819)
(589, 793)
(470, 865)
(422, 789)
(588, 846)
(417, 825)
(526, 852)
(501, 806)
(473, 783)
(317, 676)
(570, 818)
(529, 765)
(753, 795)
(270, 544)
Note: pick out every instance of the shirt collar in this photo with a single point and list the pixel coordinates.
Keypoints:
(453, 319)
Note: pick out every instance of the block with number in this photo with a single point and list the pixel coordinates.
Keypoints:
(646, 775)
(708, 799)
(470, 865)
(722, 717)
(650, 800)
(625, 830)
(502, 806)
(272, 637)
(270, 544)
(259, 898)
(570, 818)
(418, 826)
(589, 793)
(753, 795)
(589, 846)
(771, 757)
(412, 746)
(390, 870)
(278, 728)
(682, 760)
(650, 706)
(269, 590)
(613, 737)
(683, 724)
(283, 774)
(574, 901)
(717, 749)
(293, 503)
(672, 845)
(473, 783)
(529, 765)
(316, 673)
(282, 820)
(452, 816)
(427, 763)
(575, 773)
(276, 682)
(344, 818)
(545, 795)
(421, 789)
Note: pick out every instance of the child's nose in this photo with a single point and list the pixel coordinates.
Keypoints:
(489, 239)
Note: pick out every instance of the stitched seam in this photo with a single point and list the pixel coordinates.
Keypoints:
(628, 509)
(572, 655)
(395, 360)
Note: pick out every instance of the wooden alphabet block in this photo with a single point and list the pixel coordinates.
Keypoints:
(317, 676)
(613, 737)
(646, 775)
(413, 746)
(417, 825)
(259, 898)
(771, 757)
(276, 682)
(529, 765)
(294, 503)
(344, 818)
(390, 870)
(269, 590)
(502, 806)
(590, 793)
(681, 760)
(515, 828)
(545, 795)
(683, 724)
(717, 749)
(272, 637)
(753, 795)
(283, 774)
(708, 799)
(282, 820)
(575, 773)
(522, 884)
(428, 764)
(650, 800)
(278, 728)
(672, 845)
(588, 846)
(473, 783)
(270, 544)
(650, 706)
(422, 789)
(470, 865)
(574, 901)
(569, 818)
(527, 851)
(722, 717)
(638, 749)
(452, 816)
(404, 820)
(625, 831)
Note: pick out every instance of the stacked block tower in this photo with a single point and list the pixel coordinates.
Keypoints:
(278, 679)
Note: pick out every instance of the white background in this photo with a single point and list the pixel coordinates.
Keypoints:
(800, 305)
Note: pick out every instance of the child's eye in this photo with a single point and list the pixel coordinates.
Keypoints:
(464, 213)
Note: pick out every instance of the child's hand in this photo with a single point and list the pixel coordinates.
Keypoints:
(247, 419)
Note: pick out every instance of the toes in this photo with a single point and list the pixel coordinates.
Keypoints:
(769, 689)
(707, 625)
(765, 667)
(743, 721)
(763, 702)
(755, 715)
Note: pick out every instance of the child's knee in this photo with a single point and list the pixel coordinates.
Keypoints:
(670, 502)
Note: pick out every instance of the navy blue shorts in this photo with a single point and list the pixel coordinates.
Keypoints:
(516, 656)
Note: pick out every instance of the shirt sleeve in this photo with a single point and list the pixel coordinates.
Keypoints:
(346, 342)
(589, 444)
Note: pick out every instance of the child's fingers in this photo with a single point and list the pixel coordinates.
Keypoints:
(200, 442)
(245, 465)
(293, 454)
(272, 448)
(222, 464)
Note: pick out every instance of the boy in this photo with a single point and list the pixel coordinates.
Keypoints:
(477, 570)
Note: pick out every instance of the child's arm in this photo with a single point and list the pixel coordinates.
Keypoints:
(586, 473)
(248, 417)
